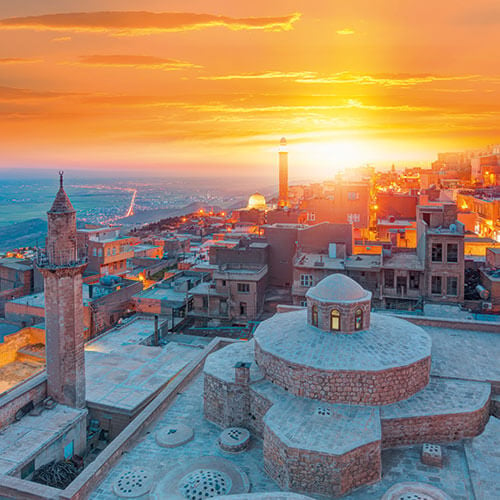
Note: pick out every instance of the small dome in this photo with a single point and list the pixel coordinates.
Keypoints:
(283, 141)
(338, 288)
(257, 201)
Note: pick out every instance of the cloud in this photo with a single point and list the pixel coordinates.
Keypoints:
(345, 31)
(61, 39)
(19, 94)
(135, 61)
(139, 23)
(263, 75)
(18, 60)
(386, 80)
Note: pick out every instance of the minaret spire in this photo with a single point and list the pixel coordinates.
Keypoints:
(61, 174)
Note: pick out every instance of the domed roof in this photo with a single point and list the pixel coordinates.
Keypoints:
(257, 201)
(338, 288)
(283, 141)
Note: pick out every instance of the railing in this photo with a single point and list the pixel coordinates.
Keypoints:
(61, 258)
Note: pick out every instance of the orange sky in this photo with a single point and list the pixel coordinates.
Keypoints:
(210, 87)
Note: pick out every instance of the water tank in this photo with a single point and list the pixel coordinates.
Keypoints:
(483, 293)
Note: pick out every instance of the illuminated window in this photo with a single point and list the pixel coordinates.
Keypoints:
(314, 316)
(334, 320)
(358, 320)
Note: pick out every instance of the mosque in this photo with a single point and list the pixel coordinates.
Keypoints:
(328, 387)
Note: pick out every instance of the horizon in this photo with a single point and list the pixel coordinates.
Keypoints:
(213, 87)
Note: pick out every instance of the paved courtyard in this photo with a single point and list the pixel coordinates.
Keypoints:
(398, 465)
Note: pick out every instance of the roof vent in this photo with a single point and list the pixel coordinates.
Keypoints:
(133, 483)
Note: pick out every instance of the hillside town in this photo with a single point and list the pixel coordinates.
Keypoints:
(372, 299)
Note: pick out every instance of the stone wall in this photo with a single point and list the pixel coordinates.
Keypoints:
(225, 404)
(434, 428)
(15, 341)
(355, 387)
(321, 473)
(347, 314)
(34, 389)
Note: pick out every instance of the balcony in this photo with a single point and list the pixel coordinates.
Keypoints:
(60, 258)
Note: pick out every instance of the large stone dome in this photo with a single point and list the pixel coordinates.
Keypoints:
(257, 201)
(338, 288)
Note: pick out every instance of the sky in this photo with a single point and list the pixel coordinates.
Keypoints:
(191, 87)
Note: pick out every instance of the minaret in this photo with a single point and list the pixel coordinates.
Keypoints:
(283, 175)
(62, 268)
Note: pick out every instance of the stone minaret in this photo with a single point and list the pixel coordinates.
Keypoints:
(283, 174)
(62, 268)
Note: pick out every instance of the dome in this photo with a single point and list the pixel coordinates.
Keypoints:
(338, 288)
(257, 201)
(283, 141)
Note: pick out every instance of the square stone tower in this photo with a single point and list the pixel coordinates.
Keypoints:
(62, 266)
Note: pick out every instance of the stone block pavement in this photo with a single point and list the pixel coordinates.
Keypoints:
(397, 464)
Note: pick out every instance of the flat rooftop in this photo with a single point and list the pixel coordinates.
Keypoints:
(123, 374)
(163, 294)
(318, 261)
(22, 440)
(462, 474)
(370, 261)
(403, 260)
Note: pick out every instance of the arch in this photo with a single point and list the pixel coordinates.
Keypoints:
(335, 320)
(314, 315)
(358, 319)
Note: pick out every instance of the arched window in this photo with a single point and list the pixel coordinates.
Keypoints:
(314, 315)
(334, 320)
(358, 320)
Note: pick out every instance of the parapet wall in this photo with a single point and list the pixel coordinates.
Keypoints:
(434, 428)
(320, 473)
(354, 387)
(33, 389)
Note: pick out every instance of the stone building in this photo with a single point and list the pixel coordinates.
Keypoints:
(441, 248)
(328, 387)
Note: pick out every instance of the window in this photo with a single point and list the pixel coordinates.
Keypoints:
(334, 320)
(243, 287)
(100, 252)
(205, 302)
(109, 251)
(436, 285)
(303, 303)
(114, 250)
(69, 450)
(306, 280)
(28, 469)
(243, 308)
(389, 278)
(452, 286)
(452, 252)
(437, 252)
(314, 316)
(358, 320)
(311, 216)
(351, 218)
(414, 281)
(223, 282)
(353, 195)
(94, 252)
